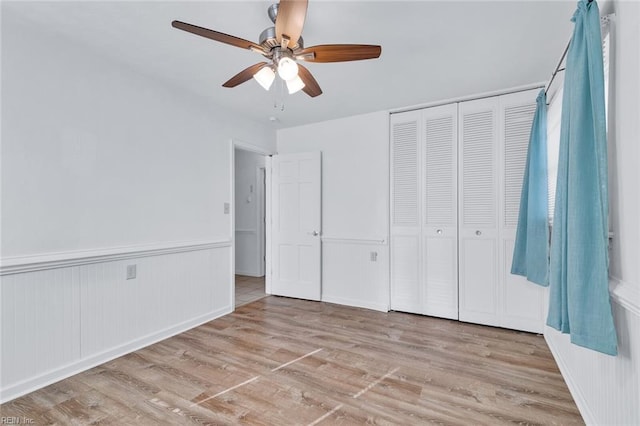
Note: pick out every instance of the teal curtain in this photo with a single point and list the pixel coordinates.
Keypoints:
(579, 287)
(531, 250)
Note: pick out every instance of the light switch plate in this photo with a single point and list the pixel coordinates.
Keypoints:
(226, 208)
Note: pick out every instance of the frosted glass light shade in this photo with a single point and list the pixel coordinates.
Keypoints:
(265, 77)
(287, 69)
(295, 84)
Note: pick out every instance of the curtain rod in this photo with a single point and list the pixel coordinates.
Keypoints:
(603, 20)
(557, 70)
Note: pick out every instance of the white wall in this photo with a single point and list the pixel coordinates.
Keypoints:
(95, 155)
(355, 210)
(248, 234)
(102, 167)
(607, 389)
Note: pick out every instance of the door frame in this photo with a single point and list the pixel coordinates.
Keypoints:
(261, 190)
(234, 144)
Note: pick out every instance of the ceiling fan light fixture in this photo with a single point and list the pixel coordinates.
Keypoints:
(282, 46)
(295, 84)
(265, 77)
(287, 69)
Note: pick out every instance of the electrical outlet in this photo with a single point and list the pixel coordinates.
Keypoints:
(131, 272)
(374, 256)
(226, 208)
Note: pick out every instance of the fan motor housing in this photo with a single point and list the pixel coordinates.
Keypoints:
(268, 40)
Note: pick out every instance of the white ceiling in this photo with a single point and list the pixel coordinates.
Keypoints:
(431, 50)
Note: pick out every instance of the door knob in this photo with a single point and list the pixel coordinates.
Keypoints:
(439, 232)
(478, 233)
(314, 233)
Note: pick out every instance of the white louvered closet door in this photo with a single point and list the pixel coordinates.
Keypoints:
(522, 303)
(405, 212)
(440, 211)
(424, 237)
(494, 136)
(478, 215)
(456, 179)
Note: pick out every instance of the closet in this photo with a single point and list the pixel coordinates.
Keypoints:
(456, 176)
(424, 231)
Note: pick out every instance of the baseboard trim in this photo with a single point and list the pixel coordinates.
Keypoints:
(83, 364)
(356, 303)
(253, 274)
(23, 264)
(626, 296)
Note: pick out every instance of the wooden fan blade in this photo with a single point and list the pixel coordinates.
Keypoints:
(244, 75)
(339, 52)
(311, 86)
(215, 35)
(290, 20)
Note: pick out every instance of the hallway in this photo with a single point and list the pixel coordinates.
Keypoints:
(249, 289)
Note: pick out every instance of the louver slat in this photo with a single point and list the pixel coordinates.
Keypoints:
(439, 190)
(478, 165)
(517, 129)
(405, 173)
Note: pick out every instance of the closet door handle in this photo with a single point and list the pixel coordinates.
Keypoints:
(478, 232)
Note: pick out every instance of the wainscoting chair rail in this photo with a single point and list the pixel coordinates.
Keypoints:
(22, 264)
(354, 240)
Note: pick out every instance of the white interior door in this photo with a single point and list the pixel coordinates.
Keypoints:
(494, 135)
(296, 221)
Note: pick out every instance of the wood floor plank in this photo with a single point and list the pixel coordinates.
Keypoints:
(280, 361)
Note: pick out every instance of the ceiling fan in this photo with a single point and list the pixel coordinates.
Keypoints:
(283, 46)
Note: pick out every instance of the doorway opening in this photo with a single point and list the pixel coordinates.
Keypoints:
(250, 225)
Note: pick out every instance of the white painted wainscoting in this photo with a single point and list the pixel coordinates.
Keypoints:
(65, 313)
(351, 276)
(606, 389)
(247, 252)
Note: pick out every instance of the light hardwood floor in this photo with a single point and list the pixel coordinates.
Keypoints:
(281, 361)
(249, 289)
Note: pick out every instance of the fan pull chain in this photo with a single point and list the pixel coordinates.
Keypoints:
(276, 89)
(278, 101)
